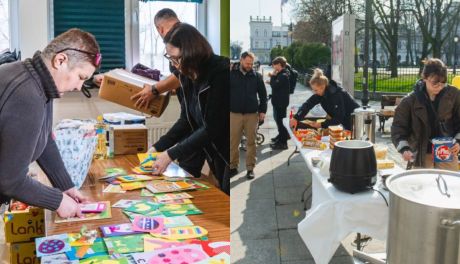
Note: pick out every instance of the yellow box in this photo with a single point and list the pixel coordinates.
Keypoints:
(23, 253)
(24, 225)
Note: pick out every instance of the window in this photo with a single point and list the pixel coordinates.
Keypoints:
(265, 33)
(151, 47)
(257, 44)
(265, 45)
(257, 32)
(4, 25)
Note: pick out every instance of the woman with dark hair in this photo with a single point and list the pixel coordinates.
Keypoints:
(204, 120)
(431, 111)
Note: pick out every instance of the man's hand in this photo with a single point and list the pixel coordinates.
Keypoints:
(261, 116)
(97, 79)
(161, 163)
(143, 97)
(77, 195)
(68, 207)
(408, 155)
(293, 123)
(455, 149)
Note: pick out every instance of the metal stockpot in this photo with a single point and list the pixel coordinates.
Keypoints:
(363, 122)
(424, 219)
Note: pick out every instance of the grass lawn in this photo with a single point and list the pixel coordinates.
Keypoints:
(404, 83)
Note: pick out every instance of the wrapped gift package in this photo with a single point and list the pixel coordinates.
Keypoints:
(76, 141)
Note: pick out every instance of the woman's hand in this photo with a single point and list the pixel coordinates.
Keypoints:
(315, 124)
(161, 163)
(455, 149)
(293, 123)
(68, 207)
(77, 195)
(408, 155)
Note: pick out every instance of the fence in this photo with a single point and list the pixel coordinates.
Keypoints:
(380, 80)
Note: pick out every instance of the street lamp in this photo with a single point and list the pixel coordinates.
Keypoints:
(455, 53)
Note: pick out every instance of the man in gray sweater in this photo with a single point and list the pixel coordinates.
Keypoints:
(27, 91)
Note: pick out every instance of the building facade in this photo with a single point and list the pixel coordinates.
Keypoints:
(264, 36)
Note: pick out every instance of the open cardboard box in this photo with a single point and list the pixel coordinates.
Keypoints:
(119, 85)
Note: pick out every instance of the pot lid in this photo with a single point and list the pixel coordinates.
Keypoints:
(438, 188)
(364, 110)
(354, 144)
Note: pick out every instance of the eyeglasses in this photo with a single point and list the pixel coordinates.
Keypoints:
(97, 56)
(173, 60)
(437, 84)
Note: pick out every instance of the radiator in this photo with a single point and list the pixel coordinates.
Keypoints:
(158, 130)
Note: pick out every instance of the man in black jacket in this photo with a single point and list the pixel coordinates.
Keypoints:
(279, 81)
(245, 111)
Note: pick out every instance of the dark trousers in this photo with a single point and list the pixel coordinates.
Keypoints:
(278, 114)
(221, 171)
(193, 164)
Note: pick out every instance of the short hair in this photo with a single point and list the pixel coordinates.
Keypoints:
(248, 54)
(435, 67)
(77, 39)
(280, 60)
(318, 78)
(195, 50)
(165, 13)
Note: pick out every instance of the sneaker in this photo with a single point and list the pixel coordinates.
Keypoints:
(250, 174)
(233, 172)
(279, 146)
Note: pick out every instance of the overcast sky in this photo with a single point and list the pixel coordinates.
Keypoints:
(241, 10)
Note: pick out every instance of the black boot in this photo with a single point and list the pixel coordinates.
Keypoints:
(250, 174)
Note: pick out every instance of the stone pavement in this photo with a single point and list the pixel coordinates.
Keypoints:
(265, 211)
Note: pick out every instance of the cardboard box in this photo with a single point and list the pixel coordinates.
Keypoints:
(24, 225)
(127, 139)
(119, 85)
(23, 253)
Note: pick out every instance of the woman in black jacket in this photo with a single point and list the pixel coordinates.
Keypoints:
(204, 121)
(279, 81)
(337, 103)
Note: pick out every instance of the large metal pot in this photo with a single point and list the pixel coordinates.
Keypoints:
(424, 224)
(363, 124)
(353, 166)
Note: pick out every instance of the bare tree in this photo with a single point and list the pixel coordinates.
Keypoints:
(316, 16)
(388, 12)
(436, 20)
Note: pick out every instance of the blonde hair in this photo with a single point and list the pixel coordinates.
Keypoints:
(318, 78)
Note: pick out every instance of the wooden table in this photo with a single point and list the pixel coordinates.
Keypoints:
(213, 202)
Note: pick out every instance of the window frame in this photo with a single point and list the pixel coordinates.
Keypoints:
(132, 39)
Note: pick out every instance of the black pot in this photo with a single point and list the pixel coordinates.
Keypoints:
(353, 166)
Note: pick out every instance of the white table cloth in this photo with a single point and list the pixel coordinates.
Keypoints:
(334, 214)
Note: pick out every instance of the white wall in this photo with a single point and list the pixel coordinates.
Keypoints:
(33, 26)
(213, 24)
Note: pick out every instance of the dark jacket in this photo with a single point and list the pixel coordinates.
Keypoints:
(411, 128)
(337, 103)
(27, 91)
(280, 89)
(204, 122)
(244, 89)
